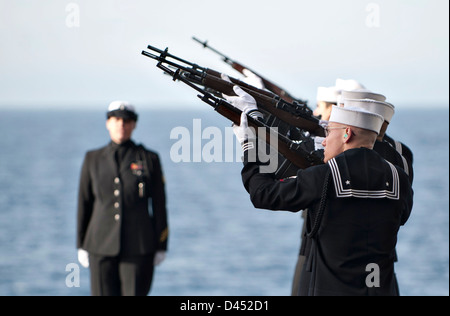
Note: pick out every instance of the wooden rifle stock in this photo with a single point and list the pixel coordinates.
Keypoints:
(284, 146)
(240, 68)
(270, 104)
(240, 83)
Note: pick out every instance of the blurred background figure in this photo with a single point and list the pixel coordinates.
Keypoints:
(122, 227)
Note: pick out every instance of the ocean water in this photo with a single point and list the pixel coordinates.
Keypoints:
(219, 244)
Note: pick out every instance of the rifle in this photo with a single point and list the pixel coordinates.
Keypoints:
(291, 150)
(240, 68)
(293, 146)
(293, 114)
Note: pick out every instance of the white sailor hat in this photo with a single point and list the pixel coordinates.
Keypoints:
(122, 109)
(348, 84)
(357, 117)
(362, 94)
(386, 110)
(327, 94)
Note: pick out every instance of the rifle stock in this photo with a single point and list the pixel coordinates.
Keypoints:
(286, 147)
(272, 105)
(242, 84)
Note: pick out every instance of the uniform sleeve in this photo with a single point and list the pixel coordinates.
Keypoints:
(85, 202)
(408, 155)
(291, 194)
(159, 203)
(407, 194)
(405, 154)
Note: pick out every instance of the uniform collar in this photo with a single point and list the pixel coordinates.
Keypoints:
(126, 144)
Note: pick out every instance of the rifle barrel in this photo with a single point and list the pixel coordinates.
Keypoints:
(165, 53)
(205, 45)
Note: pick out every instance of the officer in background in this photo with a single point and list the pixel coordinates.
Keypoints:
(122, 229)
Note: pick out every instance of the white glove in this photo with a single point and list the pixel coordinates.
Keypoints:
(225, 77)
(243, 132)
(252, 79)
(83, 258)
(243, 101)
(318, 142)
(159, 257)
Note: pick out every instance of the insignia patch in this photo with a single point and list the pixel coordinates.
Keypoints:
(136, 168)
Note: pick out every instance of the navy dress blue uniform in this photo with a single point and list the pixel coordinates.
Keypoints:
(397, 153)
(122, 217)
(357, 202)
(391, 151)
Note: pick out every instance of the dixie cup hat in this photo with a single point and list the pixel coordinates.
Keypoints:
(361, 94)
(122, 109)
(357, 117)
(327, 94)
(386, 110)
(348, 84)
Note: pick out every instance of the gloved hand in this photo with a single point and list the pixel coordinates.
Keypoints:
(243, 101)
(243, 132)
(252, 79)
(318, 142)
(83, 258)
(159, 257)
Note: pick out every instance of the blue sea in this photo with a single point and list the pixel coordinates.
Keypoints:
(219, 243)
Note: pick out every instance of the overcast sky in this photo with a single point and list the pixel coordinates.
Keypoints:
(88, 52)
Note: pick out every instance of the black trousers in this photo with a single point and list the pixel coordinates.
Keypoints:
(300, 261)
(121, 276)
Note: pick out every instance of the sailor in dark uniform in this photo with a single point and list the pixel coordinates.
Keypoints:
(406, 155)
(325, 99)
(122, 227)
(328, 96)
(393, 151)
(357, 202)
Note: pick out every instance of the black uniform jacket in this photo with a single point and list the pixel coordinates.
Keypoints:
(397, 153)
(367, 200)
(122, 208)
